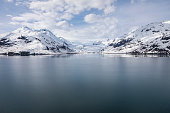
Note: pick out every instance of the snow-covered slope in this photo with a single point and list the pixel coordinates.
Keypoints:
(90, 46)
(152, 38)
(41, 41)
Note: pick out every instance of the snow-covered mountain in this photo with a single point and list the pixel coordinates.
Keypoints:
(26, 40)
(153, 38)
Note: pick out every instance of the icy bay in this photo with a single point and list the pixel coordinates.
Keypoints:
(84, 84)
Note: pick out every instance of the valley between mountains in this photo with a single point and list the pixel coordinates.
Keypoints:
(153, 38)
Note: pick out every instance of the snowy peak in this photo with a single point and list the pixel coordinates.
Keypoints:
(166, 22)
(152, 29)
(153, 38)
(23, 30)
(33, 41)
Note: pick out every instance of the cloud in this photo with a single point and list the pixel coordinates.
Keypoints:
(87, 19)
(109, 9)
(9, 0)
(63, 24)
(9, 15)
(57, 16)
(91, 18)
(140, 14)
(102, 27)
(134, 1)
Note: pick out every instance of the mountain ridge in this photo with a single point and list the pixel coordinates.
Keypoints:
(154, 38)
(41, 41)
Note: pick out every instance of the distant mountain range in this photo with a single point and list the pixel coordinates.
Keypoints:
(153, 38)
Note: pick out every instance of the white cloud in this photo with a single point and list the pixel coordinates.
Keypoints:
(63, 24)
(56, 15)
(91, 18)
(102, 27)
(109, 9)
(9, 15)
(9, 0)
(134, 1)
(28, 17)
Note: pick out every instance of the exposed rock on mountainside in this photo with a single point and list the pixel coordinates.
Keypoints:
(25, 41)
(153, 38)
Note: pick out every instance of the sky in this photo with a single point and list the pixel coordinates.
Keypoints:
(82, 19)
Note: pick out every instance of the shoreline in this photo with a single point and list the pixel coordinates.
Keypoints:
(70, 53)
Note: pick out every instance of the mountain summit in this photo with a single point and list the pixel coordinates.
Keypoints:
(153, 38)
(30, 41)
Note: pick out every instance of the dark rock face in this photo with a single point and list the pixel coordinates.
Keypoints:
(5, 42)
(58, 48)
(165, 38)
(22, 37)
(12, 54)
(26, 40)
(155, 31)
(21, 53)
(161, 51)
(135, 52)
(153, 38)
(24, 53)
(154, 46)
(53, 48)
(148, 29)
(121, 42)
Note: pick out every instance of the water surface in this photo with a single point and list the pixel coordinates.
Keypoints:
(84, 84)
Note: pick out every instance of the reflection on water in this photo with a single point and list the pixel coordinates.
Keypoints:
(129, 55)
(84, 84)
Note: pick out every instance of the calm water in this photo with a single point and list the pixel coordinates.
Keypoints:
(84, 84)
